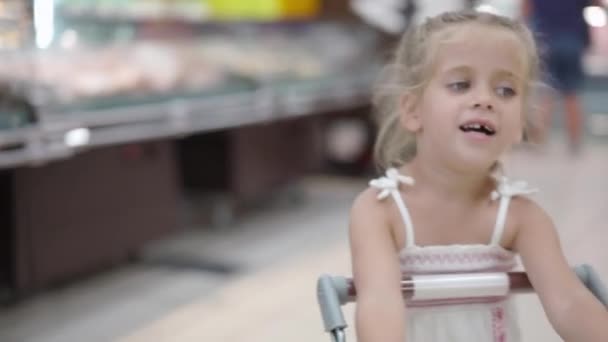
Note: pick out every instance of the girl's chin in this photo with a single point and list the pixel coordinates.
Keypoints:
(476, 163)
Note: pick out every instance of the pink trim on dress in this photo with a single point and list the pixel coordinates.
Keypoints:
(455, 258)
(456, 261)
(455, 301)
(498, 324)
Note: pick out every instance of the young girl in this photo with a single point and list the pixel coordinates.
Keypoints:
(453, 103)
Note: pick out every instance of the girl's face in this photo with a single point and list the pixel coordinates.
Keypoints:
(471, 110)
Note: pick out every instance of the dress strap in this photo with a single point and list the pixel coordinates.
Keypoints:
(505, 191)
(389, 185)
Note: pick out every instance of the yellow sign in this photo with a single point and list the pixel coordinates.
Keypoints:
(264, 9)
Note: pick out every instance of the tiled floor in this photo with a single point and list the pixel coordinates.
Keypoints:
(276, 256)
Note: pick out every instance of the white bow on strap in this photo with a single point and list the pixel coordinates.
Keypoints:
(390, 182)
(507, 188)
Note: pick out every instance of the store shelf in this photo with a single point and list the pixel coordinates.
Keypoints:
(329, 94)
(116, 122)
(176, 117)
(31, 146)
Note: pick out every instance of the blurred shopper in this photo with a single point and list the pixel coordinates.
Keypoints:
(395, 16)
(426, 9)
(564, 36)
(507, 8)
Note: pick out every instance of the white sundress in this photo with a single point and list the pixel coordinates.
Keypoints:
(483, 320)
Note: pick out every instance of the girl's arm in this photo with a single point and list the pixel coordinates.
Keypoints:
(380, 309)
(573, 311)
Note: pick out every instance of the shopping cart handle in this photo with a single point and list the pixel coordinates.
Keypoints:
(332, 293)
(335, 291)
(592, 281)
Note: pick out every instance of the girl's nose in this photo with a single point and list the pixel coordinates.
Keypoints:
(487, 106)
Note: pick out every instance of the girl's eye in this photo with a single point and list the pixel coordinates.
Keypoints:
(505, 92)
(459, 86)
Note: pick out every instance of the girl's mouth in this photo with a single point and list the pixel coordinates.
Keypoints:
(479, 127)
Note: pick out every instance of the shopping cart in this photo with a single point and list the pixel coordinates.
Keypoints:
(335, 291)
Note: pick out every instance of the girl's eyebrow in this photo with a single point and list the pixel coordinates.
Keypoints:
(507, 74)
(500, 73)
(456, 69)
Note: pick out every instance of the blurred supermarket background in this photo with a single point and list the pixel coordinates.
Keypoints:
(182, 170)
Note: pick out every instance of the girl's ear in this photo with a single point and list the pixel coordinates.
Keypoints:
(409, 113)
(522, 135)
(526, 131)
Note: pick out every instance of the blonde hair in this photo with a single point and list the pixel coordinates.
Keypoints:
(409, 72)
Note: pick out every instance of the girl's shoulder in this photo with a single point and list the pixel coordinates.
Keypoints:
(526, 210)
(521, 204)
(367, 203)
(527, 217)
(373, 197)
(371, 222)
(368, 213)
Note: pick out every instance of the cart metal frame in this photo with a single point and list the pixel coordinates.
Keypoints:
(335, 291)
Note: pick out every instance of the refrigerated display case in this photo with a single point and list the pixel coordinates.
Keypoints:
(123, 84)
(108, 118)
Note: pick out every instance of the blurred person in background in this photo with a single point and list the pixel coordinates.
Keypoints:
(564, 36)
(426, 9)
(507, 8)
(395, 16)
